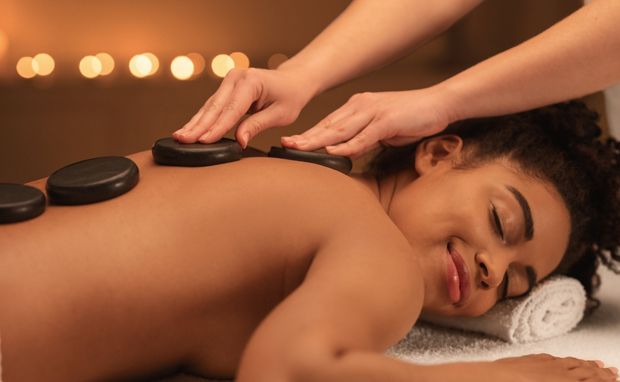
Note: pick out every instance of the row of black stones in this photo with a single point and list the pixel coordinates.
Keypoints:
(98, 179)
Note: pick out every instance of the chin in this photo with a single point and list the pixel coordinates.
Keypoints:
(452, 311)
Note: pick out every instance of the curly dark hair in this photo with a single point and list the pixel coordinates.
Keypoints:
(559, 144)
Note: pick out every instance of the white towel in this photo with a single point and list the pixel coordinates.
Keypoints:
(553, 307)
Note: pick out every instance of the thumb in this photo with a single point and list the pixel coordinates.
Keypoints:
(401, 141)
(254, 124)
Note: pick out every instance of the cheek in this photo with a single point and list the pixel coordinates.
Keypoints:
(480, 304)
(421, 213)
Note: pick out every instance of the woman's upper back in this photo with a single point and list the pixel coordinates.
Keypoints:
(227, 242)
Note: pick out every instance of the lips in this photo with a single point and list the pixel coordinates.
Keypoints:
(459, 289)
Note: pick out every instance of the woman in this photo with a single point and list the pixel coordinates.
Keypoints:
(274, 270)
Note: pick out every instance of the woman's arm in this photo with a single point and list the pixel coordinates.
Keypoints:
(370, 34)
(577, 56)
(362, 293)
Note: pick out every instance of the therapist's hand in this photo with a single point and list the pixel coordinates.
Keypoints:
(274, 98)
(369, 120)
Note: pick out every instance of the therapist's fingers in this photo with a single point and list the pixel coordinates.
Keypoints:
(237, 106)
(191, 122)
(307, 138)
(274, 115)
(202, 120)
(366, 140)
(188, 126)
(332, 133)
(208, 113)
(324, 124)
(400, 141)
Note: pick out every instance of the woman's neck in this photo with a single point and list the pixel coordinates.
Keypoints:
(385, 189)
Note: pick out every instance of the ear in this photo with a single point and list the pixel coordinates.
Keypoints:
(436, 151)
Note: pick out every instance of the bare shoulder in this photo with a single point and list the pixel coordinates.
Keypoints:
(362, 291)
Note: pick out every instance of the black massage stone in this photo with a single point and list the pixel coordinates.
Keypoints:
(339, 163)
(169, 152)
(92, 180)
(19, 202)
(253, 152)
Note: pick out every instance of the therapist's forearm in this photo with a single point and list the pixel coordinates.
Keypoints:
(370, 34)
(577, 56)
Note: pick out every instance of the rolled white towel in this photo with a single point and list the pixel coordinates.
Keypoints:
(553, 307)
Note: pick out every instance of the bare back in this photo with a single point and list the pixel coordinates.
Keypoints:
(177, 273)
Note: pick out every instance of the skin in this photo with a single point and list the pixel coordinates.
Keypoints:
(465, 197)
(577, 56)
(148, 283)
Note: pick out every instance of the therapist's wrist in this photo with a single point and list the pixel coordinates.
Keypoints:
(314, 81)
(450, 102)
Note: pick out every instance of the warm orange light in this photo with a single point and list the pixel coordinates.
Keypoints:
(44, 64)
(90, 66)
(27, 67)
(154, 62)
(241, 60)
(4, 43)
(107, 63)
(222, 64)
(140, 66)
(276, 60)
(198, 61)
(182, 67)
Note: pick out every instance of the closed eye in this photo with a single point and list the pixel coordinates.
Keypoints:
(498, 223)
(497, 227)
(505, 288)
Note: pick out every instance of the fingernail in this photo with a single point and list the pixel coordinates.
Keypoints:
(614, 370)
(599, 363)
(246, 139)
(204, 136)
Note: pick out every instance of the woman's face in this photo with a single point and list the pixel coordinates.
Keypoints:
(474, 228)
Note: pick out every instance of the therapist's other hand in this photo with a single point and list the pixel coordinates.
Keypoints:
(369, 120)
(274, 98)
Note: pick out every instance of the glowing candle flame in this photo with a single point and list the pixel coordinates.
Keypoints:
(182, 67)
(222, 64)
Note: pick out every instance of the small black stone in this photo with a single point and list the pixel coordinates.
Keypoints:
(169, 152)
(92, 180)
(339, 163)
(19, 202)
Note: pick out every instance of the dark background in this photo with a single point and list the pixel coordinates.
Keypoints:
(46, 123)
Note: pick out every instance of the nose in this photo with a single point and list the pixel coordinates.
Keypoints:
(491, 269)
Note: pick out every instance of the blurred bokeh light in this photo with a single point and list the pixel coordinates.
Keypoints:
(198, 61)
(44, 64)
(107, 63)
(27, 67)
(4, 43)
(241, 60)
(182, 67)
(222, 64)
(154, 63)
(90, 66)
(140, 66)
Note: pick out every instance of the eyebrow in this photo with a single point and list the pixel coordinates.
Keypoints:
(527, 212)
